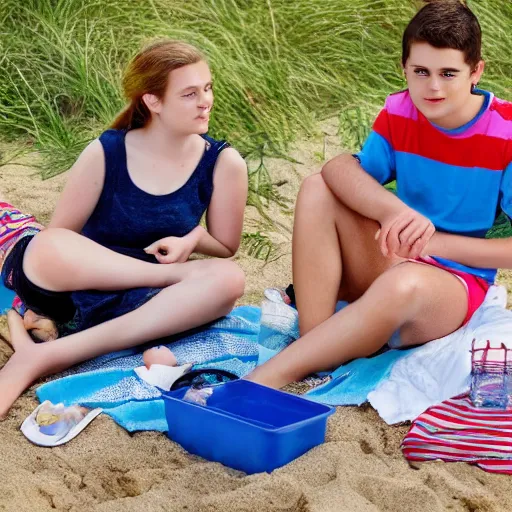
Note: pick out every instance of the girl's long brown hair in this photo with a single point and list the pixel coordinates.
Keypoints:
(148, 73)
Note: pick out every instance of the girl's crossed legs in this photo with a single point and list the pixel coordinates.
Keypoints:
(194, 293)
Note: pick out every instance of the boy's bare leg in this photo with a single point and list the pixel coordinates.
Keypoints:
(208, 292)
(424, 302)
(335, 254)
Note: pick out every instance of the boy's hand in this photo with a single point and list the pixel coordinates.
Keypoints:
(172, 249)
(405, 234)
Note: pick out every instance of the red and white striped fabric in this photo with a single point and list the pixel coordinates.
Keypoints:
(457, 431)
(14, 225)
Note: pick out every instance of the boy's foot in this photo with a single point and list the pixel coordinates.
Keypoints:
(290, 293)
(21, 369)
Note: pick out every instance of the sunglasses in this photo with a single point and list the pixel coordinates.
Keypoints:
(203, 377)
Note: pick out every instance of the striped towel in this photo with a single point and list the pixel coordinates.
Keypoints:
(15, 225)
(457, 431)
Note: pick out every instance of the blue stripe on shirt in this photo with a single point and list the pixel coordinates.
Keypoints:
(460, 200)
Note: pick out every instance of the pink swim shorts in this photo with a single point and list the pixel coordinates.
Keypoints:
(475, 286)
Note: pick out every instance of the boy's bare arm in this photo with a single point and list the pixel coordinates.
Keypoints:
(403, 230)
(356, 189)
(473, 252)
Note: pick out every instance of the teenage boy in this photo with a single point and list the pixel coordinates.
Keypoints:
(416, 265)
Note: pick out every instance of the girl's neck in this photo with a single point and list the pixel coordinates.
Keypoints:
(166, 143)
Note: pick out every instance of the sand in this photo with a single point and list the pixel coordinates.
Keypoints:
(358, 468)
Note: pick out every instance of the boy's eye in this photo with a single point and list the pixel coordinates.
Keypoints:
(421, 72)
(448, 74)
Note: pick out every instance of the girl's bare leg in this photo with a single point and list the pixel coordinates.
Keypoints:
(62, 260)
(59, 260)
(207, 291)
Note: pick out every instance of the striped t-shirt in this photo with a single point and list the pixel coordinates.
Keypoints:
(460, 179)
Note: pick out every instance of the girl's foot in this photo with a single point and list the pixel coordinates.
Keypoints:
(40, 327)
(23, 366)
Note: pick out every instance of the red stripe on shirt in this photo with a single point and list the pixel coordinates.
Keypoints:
(419, 137)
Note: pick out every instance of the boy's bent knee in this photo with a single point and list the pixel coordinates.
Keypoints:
(315, 196)
(402, 285)
(407, 282)
(314, 185)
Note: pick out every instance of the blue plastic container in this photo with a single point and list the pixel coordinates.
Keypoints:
(247, 426)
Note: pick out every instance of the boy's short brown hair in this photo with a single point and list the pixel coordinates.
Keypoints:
(445, 24)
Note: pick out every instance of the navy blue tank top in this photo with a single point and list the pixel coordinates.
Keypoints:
(127, 219)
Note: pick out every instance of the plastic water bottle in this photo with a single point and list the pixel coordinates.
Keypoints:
(491, 379)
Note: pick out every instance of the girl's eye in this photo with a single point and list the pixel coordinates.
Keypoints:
(189, 95)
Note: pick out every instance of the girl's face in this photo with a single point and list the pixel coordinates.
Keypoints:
(188, 100)
(439, 82)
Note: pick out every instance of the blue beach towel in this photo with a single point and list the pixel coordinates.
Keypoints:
(111, 383)
(6, 298)
(237, 343)
(351, 382)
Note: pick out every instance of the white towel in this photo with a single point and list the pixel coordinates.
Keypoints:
(162, 376)
(441, 369)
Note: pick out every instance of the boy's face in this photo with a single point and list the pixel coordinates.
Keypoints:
(439, 82)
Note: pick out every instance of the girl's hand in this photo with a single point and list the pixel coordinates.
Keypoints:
(173, 249)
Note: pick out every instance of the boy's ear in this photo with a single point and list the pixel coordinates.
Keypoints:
(477, 73)
(152, 102)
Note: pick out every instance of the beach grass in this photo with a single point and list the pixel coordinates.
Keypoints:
(278, 67)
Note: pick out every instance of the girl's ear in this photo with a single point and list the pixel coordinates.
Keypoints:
(152, 102)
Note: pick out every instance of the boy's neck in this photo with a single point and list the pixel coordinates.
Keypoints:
(464, 116)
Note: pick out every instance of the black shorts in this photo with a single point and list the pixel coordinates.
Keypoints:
(56, 305)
